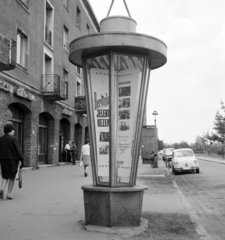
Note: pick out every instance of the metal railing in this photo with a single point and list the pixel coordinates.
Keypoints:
(80, 104)
(52, 83)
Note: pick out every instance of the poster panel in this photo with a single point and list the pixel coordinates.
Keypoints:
(128, 84)
(100, 92)
(128, 89)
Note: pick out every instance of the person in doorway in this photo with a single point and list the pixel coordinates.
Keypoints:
(152, 158)
(74, 152)
(67, 149)
(155, 161)
(10, 157)
(85, 156)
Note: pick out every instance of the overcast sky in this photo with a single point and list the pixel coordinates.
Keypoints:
(186, 92)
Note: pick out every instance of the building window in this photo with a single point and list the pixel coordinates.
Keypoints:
(65, 38)
(24, 3)
(48, 24)
(65, 81)
(65, 75)
(78, 17)
(78, 89)
(66, 4)
(78, 70)
(48, 64)
(48, 79)
(88, 29)
(21, 49)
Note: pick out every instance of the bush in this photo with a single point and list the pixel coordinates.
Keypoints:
(219, 152)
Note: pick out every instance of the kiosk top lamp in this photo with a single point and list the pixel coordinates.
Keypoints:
(116, 66)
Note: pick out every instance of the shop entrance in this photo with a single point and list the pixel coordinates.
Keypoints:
(18, 122)
(64, 137)
(43, 139)
(78, 138)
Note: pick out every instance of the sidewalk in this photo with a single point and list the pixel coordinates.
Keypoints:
(50, 206)
(211, 159)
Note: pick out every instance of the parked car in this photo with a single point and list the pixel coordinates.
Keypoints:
(167, 154)
(184, 160)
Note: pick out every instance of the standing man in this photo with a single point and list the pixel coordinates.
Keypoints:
(67, 149)
(10, 157)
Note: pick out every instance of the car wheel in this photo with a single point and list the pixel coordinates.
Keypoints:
(198, 170)
(174, 171)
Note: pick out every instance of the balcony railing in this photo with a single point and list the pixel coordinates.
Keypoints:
(54, 88)
(7, 53)
(80, 104)
(48, 36)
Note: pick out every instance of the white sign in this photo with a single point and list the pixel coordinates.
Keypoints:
(67, 112)
(6, 87)
(24, 94)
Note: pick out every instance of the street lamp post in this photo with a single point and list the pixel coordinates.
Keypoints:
(156, 133)
(116, 65)
(155, 114)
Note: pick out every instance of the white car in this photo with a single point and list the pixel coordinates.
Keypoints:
(184, 160)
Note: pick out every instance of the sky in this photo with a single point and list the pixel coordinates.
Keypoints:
(187, 91)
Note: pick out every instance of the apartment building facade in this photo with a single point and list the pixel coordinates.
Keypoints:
(41, 92)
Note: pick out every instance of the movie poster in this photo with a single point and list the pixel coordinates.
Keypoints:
(128, 87)
(128, 82)
(100, 91)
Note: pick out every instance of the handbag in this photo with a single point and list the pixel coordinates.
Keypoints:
(19, 175)
(81, 163)
(20, 178)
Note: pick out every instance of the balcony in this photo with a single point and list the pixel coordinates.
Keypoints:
(54, 88)
(7, 53)
(80, 105)
(48, 36)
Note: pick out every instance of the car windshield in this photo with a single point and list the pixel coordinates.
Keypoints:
(183, 153)
(169, 150)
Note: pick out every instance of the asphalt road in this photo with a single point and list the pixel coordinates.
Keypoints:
(206, 193)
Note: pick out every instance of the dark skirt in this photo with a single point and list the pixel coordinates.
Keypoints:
(86, 160)
(9, 168)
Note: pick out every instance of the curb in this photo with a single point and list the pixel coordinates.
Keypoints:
(202, 233)
(193, 215)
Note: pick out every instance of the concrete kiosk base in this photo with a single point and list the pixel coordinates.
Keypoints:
(113, 207)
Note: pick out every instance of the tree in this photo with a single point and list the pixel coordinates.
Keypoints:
(160, 145)
(219, 127)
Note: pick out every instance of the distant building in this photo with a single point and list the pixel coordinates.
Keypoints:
(41, 92)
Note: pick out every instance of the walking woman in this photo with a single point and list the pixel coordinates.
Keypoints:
(74, 152)
(85, 156)
(10, 157)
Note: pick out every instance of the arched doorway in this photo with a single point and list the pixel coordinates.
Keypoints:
(17, 120)
(86, 133)
(64, 136)
(43, 139)
(78, 138)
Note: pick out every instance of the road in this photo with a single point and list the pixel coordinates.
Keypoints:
(206, 193)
